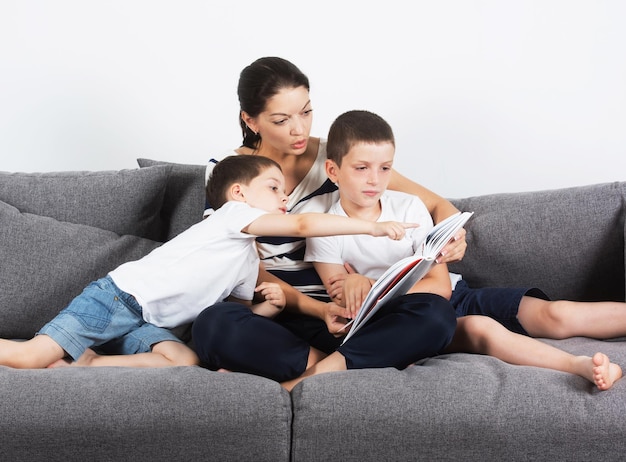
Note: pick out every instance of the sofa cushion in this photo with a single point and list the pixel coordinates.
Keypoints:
(462, 407)
(45, 263)
(184, 196)
(124, 201)
(511, 241)
(142, 415)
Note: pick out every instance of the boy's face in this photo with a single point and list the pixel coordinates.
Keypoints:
(266, 191)
(364, 174)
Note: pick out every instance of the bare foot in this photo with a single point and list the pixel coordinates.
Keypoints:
(333, 362)
(223, 370)
(605, 373)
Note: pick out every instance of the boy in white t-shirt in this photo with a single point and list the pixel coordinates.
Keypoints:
(360, 153)
(216, 259)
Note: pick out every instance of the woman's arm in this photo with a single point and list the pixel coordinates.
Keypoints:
(439, 208)
(264, 308)
(298, 302)
(295, 300)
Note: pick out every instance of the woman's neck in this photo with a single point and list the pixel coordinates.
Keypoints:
(295, 166)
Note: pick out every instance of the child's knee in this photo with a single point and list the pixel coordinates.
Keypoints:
(178, 354)
(479, 326)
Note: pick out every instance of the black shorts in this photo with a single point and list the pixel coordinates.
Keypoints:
(499, 303)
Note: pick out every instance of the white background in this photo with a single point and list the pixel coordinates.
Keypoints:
(484, 96)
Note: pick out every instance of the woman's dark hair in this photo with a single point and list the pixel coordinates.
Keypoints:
(355, 127)
(260, 81)
(234, 169)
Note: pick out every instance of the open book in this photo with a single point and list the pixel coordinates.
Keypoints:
(403, 275)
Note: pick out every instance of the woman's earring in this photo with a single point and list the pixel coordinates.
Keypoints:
(255, 133)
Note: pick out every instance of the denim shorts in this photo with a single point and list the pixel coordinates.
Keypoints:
(104, 315)
(499, 303)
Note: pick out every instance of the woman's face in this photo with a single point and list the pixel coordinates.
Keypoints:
(285, 124)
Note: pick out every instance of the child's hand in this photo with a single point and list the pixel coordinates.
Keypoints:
(272, 293)
(455, 249)
(355, 289)
(335, 288)
(392, 229)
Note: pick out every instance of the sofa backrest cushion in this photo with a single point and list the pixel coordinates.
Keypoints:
(45, 263)
(124, 201)
(184, 200)
(568, 242)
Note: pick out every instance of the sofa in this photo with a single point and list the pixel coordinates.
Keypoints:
(60, 230)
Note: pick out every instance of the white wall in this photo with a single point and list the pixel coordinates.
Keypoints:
(484, 96)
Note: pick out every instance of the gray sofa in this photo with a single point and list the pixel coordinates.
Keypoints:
(61, 230)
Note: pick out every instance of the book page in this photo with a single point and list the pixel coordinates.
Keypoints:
(445, 230)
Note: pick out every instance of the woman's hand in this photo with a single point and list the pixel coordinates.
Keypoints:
(335, 288)
(336, 319)
(355, 289)
(349, 290)
(334, 284)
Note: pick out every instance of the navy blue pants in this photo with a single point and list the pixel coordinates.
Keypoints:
(411, 327)
(499, 303)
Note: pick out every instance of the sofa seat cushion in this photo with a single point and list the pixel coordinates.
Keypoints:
(46, 263)
(124, 201)
(462, 407)
(142, 414)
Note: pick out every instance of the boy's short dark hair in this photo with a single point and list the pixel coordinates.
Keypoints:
(354, 127)
(234, 169)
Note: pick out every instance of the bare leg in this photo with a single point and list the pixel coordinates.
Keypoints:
(562, 319)
(333, 362)
(315, 356)
(36, 353)
(483, 335)
(163, 354)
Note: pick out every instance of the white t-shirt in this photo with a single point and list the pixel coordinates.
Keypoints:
(198, 268)
(284, 256)
(369, 255)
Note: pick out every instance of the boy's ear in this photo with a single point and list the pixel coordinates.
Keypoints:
(235, 193)
(331, 170)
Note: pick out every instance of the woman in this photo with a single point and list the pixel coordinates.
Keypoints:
(276, 118)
